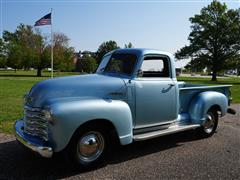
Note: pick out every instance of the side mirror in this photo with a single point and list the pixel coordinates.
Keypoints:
(139, 73)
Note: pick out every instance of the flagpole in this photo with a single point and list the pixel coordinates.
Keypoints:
(51, 44)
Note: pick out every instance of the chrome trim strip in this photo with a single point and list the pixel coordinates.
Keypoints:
(149, 129)
(170, 130)
(44, 151)
(34, 116)
(155, 124)
(33, 108)
(29, 123)
(128, 135)
(204, 87)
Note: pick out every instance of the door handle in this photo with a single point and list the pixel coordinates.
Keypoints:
(171, 84)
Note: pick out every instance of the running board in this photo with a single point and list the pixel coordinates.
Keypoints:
(171, 130)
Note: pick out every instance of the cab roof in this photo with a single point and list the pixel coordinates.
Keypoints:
(140, 51)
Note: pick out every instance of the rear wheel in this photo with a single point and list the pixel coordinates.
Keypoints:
(210, 125)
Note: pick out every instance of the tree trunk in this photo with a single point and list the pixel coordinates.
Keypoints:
(39, 72)
(214, 76)
(238, 70)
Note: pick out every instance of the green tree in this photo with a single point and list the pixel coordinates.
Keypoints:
(26, 41)
(3, 60)
(45, 59)
(129, 45)
(214, 40)
(14, 57)
(39, 56)
(27, 47)
(13, 50)
(104, 48)
(24, 48)
(88, 63)
(63, 54)
(66, 64)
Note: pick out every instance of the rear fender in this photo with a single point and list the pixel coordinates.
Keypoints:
(201, 103)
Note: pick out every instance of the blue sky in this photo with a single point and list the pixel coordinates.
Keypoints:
(158, 24)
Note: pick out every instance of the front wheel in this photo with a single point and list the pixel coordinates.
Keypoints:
(89, 147)
(210, 125)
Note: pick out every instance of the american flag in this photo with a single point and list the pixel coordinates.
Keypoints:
(45, 20)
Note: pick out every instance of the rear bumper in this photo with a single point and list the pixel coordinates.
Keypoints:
(231, 111)
(30, 142)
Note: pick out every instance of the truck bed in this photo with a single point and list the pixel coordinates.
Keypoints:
(188, 91)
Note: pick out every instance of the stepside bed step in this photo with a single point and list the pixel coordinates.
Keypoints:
(170, 130)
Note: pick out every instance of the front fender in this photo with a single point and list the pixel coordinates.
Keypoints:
(69, 115)
(203, 102)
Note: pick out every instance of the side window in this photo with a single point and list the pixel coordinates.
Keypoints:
(155, 67)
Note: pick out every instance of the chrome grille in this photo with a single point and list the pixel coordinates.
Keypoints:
(34, 123)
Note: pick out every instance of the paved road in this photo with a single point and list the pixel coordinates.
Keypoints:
(179, 156)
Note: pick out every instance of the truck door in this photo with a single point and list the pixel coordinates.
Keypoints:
(155, 90)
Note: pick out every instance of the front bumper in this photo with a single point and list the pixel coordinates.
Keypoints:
(31, 142)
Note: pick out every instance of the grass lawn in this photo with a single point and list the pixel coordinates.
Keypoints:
(12, 88)
(14, 85)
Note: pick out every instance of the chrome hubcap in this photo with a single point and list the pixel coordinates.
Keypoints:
(90, 146)
(209, 124)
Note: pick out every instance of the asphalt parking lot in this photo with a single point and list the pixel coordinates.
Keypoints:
(178, 156)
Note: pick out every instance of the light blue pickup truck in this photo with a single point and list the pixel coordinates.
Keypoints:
(133, 96)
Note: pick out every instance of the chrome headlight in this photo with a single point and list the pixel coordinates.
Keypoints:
(27, 99)
(48, 115)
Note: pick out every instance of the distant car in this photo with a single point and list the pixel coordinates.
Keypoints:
(133, 96)
(9, 68)
(231, 72)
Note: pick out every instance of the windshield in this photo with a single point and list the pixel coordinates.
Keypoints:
(121, 63)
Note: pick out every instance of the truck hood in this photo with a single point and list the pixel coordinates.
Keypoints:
(81, 86)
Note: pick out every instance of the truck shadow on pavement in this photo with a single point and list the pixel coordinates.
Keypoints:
(17, 162)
